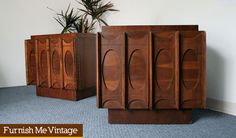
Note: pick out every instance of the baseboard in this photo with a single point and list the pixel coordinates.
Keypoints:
(6, 87)
(221, 106)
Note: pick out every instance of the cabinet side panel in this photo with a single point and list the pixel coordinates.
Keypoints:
(30, 61)
(166, 70)
(113, 70)
(86, 51)
(193, 69)
(138, 70)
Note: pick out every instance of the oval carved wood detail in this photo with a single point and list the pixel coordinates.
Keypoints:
(137, 69)
(69, 64)
(43, 63)
(55, 62)
(164, 70)
(111, 70)
(190, 69)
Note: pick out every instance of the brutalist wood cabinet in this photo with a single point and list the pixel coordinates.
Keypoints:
(62, 65)
(151, 74)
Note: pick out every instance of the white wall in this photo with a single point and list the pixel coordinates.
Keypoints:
(18, 20)
(216, 17)
(22, 18)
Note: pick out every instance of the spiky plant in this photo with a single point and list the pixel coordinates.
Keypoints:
(95, 9)
(93, 12)
(67, 19)
(82, 25)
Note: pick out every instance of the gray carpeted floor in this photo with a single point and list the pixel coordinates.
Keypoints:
(20, 105)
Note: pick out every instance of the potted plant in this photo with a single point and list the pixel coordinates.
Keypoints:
(83, 20)
(63, 65)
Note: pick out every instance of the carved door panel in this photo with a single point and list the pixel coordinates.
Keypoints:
(30, 62)
(43, 63)
(166, 70)
(193, 69)
(56, 63)
(69, 63)
(138, 70)
(113, 70)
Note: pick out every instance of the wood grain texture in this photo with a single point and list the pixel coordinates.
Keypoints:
(166, 70)
(164, 73)
(65, 63)
(149, 28)
(66, 94)
(98, 71)
(193, 69)
(69, 62)
(30, 62)
(149, 116)
(151, 70)
(86, 57)
(138, 70)
(56, 63)
(162, 70)
(113, 70)
(43, 62)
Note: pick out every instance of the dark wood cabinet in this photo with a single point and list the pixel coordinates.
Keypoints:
(61, 65)
(151, 74)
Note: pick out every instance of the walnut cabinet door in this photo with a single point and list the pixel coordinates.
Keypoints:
(56, 63)
(112, 70)
(138, 70)
(151, 70)
(193, 69)
(69, 63)
(165, 70)
(43, 63)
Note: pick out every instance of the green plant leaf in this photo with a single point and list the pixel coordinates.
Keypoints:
(67, 19)
(96, 9)
(103, 22)
(83, 19)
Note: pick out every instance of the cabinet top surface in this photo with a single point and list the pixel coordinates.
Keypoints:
(63, 35)
(151, 28)
(150, 25)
